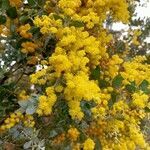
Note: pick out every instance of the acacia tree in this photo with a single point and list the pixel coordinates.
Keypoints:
(68, 81)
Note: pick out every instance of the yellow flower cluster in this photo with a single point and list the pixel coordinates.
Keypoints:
(113, 65)
(1, 29)
(4, 29)
(59, 139)
(23, 95)
(32, 60)
(89, 144)
(119, 106)
(46, 102)
(112, 135)
(80, 87)
(75, 110)
(16, 3)
(38, 77)
(47, 24)
(71, 37)
(60, 63)
(15, 118)
(91, 19)
(73, 134)
(136, 70)
(119, 9)
(47, 6)
(28, 47)
(28, 121)
(11, 121)
(137, 137)
(76, 146)
(75, 52)
(95, 12)
(140, 99)
(121, 119)
(100, 111)
(80, 46)
(69, 6)
(116, 118)
(136, 34)
(59, 88)
(23, 31)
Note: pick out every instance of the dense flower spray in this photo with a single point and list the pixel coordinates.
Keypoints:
(81, 69)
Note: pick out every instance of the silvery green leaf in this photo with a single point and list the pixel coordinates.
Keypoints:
(22, 136)
(41, 148)
(98, 145)
(33, 101)
(84, 125)
(35, 139)
(27, 145)
(14, 132)
(23, 104)
(1, 74)
(22, 110)
(68, 147)
(1, 142)
(30, 110)
(35, 96)
(53, 133)
(36, 132)
(42, 143)
(28, 131)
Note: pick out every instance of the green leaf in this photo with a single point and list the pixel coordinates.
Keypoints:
(30, 109)
(147, 109)
(98, 145)
(49, 46)
(113, 99)
(23, 19)
(40, 2)
(67, 147)
(144, 86)
(12, 27)
(6, 90)
(56, 17)
(117, 81)
(95, 74)
(77, 24)
(27, 145)
(5, 4)
(34, 30)
(120, 46)
(2, 19)
(2, 111)
(86, 108)
(131, 88)
(103, 83)
(12, 12)
(53, 133)
(23, 104)
(32, 2)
